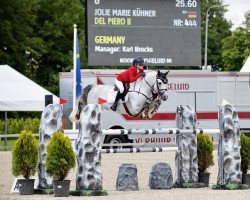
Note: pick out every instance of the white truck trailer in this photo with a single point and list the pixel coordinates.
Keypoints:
(201, 89)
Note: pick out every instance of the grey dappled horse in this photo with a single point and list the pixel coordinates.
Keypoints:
(144, 96)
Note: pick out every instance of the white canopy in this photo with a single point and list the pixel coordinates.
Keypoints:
(246, 66)
(19, 93)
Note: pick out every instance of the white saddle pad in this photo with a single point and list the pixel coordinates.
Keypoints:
(111, 97)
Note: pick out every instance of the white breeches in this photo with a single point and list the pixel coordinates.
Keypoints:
(119, 84)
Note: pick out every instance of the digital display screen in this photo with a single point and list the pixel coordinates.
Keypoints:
(163, 32)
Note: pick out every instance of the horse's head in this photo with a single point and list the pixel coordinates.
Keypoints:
(161, 84)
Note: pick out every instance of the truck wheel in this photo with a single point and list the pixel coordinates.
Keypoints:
(114, 139)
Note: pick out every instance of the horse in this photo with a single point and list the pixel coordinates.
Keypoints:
(143, 97)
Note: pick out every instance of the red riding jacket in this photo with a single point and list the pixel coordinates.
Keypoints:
(130, 75)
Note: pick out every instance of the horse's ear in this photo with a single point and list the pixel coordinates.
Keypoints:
(167, 72)
(158, 73)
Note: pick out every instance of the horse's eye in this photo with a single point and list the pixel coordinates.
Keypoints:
(159, 83)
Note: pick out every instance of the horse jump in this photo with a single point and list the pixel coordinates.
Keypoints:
(186, 142)
(186, 156)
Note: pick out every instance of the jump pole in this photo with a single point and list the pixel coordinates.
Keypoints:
(149, 131)
(158, 131)
(139, 150)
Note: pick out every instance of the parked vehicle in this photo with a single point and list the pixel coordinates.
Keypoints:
(203, 90)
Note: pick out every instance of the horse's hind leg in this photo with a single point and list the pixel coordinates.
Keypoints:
(75, 114)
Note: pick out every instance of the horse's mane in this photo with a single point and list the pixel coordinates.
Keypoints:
(151, 72)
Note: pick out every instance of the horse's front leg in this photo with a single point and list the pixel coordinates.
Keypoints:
(144, 113)
(152, 108)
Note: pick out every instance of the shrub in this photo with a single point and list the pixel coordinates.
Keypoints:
(25, 155)
(245, 153)
(60, 156)
(205, 152)
(15, 126)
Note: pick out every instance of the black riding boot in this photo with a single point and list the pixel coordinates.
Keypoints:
(114, 106)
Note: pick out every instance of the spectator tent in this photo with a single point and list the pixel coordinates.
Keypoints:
(18, 93)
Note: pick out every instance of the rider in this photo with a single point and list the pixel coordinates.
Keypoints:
(130, 75)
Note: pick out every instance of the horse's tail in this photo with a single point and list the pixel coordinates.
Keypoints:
(85, 93)
(81, 101)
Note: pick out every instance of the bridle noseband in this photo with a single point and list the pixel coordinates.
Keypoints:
(158, 92)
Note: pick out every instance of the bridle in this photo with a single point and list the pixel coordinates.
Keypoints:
(165, 81)
(154, 93)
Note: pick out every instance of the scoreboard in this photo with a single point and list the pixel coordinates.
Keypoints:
(163, 32)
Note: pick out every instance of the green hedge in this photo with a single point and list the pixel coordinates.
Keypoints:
(15, 126)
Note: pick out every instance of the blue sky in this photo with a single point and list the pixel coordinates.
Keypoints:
(236, 11)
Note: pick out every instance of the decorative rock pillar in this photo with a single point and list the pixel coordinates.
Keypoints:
(229, 160)
(88, 149)
(51, 121)
(186, 158)
(127, 179)
(161, 176)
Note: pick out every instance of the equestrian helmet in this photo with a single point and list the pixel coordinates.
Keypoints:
(138, 60)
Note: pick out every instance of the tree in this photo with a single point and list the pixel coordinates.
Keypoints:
(54, 26)
(17, 19)
(236, 48)
(218, 29)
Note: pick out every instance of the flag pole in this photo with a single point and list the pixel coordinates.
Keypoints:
(74, 72)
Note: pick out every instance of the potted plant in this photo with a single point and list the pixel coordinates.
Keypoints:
(205, 157)
(245, 158)
(25, 160)
(60, 159)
